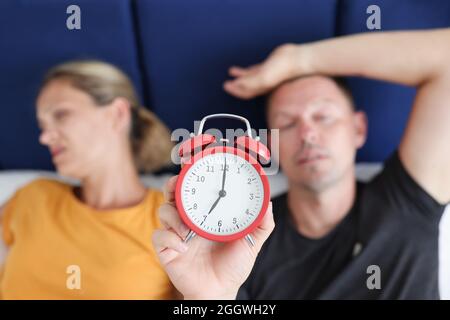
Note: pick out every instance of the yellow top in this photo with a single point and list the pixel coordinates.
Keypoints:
(59, 248)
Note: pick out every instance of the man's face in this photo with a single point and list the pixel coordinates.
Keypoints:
(319, 132)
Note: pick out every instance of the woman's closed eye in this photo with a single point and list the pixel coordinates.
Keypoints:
(59, 115)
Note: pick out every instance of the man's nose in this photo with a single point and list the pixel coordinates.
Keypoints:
(306, 132)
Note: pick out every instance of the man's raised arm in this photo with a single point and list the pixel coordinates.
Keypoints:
(415, 58)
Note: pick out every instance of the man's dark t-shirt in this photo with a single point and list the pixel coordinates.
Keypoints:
(393, 225)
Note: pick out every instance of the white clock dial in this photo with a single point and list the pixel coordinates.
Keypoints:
(232, 210)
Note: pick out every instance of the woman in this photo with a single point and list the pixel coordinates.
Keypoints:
(92, 241)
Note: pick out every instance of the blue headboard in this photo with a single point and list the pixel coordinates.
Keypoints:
(177, 53)
(387, 105)
(34, 37)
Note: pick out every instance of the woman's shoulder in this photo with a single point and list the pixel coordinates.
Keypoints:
(34, 196)
(155, 199)
(155, 196)
(42, 186)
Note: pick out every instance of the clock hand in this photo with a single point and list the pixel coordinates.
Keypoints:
(191, 233)
(215, 204)
(222, 193)
(224, 173)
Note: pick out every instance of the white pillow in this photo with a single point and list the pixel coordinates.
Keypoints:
(10, 181)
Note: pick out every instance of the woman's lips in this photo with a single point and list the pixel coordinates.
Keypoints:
(56, 152)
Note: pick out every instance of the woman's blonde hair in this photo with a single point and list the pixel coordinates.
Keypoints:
(103, 82)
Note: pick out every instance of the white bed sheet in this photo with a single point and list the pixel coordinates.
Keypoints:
(10, 181)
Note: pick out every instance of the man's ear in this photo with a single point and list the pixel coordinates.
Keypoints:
(120, 109)
(360, 124)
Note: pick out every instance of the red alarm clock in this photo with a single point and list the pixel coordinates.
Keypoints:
(222, 192)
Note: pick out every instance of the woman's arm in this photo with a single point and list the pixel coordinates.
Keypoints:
(3, 248)
(1, 214)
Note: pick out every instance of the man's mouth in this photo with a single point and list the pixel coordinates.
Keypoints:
(310, 159)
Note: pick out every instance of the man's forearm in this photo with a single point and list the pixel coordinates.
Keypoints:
(405, 57)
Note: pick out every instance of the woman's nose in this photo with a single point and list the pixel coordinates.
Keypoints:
(47, 137)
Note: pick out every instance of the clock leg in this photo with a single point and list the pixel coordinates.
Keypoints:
(189, 236)
(192, 234)
(250, 240)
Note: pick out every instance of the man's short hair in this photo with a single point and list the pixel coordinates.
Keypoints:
(340, 82)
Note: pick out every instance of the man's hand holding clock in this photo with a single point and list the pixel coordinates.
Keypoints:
(205, 269)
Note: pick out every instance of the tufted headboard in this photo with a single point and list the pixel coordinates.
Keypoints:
(177, 53)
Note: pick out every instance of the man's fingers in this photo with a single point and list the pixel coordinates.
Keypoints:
(169, 189)
(241, 88)
(170, 219)
(167, 256)
(247, 86)
(236, 71)
(167, 239)
(265, 228)
(267, 223)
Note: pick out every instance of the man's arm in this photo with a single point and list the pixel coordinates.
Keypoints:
(414, 58)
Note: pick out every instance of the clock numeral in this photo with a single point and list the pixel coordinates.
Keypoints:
(200, 178)
(195, 206)
(249, 181)
(209, 168)
(251, 196)
(226, 167)
(234, 220)
(219, 223)
(248, 212)
(239, 171)
(193, 191)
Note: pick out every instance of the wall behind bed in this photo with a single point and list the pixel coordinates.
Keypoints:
(177, 53)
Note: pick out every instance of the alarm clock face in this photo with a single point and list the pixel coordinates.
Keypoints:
(222, 204)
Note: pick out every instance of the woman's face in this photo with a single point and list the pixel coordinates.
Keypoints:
(79, 134)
